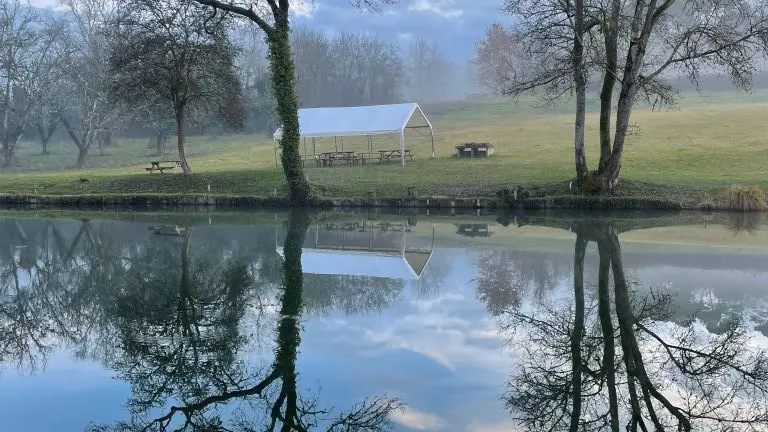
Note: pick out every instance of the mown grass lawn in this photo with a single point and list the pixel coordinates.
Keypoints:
(709, 143)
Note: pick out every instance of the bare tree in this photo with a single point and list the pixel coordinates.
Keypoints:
(252, 65)
(174, 53)
(314, 66)
(27, 45)
(429, 72)
(637, 46)
(576, 378)
(83, 106)
(498, 57)
(368, 70)
(46, 124)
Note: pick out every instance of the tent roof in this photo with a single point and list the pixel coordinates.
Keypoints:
(356, 121)
(361, 263)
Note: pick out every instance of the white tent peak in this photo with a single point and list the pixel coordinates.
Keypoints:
(361, 121)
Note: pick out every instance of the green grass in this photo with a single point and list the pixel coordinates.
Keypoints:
(710, 143)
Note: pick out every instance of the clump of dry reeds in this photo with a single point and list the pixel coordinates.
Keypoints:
(746, 198)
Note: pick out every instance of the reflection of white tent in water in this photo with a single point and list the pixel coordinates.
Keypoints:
(373, 249)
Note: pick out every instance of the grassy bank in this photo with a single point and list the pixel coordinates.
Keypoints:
(689, 155)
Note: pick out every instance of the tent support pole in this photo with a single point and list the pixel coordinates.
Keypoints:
(305, 147)
(275, 153)
(432, 135)
(335, 146)
(402, 147)
(314, 147)
(342, 143)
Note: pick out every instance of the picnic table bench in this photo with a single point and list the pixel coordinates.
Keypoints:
(394, 154)
(168, 230)
(328, 158)
(158, 166)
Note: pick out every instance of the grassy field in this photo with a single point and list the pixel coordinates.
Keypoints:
(707, 144)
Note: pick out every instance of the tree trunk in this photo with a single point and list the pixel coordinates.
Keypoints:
(7, 156)
(180, 140)
(100, 143)
(291, 301)
(82, 154)
(611, 32)
(44, 140)
(642, 26)
(186, 304)
(159, 143)
(82, 145)
(578, 329)
(284, 85)
(630, 347)
(580, 81)
(606, 325)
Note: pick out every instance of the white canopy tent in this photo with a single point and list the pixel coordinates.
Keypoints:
(362, 121)
(364, 250)
(359, 263)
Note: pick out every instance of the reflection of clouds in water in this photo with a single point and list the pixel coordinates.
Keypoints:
(446, 332)
(418, 420)
(441, 353)
(503, 426)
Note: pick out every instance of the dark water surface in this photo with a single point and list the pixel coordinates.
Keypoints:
(362, 322)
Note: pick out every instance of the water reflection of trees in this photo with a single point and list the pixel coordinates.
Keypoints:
(176, 321)
(504, 277)
(264, 400)
(608, 358)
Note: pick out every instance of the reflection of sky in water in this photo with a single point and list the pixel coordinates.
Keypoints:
(65, 397)
(441, 352)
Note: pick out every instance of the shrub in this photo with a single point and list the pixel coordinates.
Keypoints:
(746, 198)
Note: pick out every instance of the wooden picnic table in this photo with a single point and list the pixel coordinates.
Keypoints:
(393, 154)
(156, 166)
(327, 158)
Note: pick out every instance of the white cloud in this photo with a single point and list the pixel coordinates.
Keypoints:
(46, 4)
(443, 8)
(405, 36)
(418, 420)
(304, 8)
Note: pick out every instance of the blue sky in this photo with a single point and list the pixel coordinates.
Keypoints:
(455, 24)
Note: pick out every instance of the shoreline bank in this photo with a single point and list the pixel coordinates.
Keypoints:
(160, 201)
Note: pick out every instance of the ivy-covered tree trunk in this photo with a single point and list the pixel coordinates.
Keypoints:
(284, 90)
(292, 306)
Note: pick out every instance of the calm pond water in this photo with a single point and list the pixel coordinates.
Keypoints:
(364, 322)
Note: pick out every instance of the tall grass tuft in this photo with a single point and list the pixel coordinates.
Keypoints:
(746, 198)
